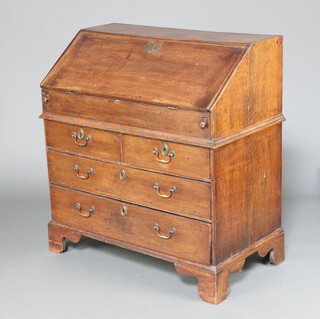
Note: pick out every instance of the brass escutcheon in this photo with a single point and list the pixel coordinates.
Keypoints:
(150, 47)
(164, 149)
(123, 210)
(122, 174)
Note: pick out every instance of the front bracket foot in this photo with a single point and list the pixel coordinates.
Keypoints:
(58, 236)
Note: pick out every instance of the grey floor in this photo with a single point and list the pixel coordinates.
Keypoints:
(95, 280)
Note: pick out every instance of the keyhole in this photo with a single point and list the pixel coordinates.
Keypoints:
(123, 210)
(122, 174)
(164, 149)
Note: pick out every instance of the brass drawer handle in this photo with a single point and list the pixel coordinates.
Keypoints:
(165, 152)
(157, 188)
(80, 136)
(85, 213)
(172, 232)
(88, 173)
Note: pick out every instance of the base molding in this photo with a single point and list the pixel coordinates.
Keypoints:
(213, 284)
(213, 281)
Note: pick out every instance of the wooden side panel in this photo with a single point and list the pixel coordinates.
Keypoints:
(265, 159)
(188, 161)
(152, 117)
(136, 227)
(230, 207)
(254, 93)
(247, 191)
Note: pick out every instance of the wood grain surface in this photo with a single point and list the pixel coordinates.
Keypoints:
(191, 198)
(188, 161)
(163, 76)
(215, 100)
(136, 227)
(105, 145)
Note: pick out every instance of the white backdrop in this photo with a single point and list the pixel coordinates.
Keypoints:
(108, 281)
(35, 33)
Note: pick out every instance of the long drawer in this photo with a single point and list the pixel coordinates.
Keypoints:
(166, 233)
(168, 193)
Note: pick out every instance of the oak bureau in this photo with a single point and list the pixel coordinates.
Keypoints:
(168, 142)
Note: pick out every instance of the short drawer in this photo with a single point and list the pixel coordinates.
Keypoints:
(168, 193)
(167, 157)
(83, 140)
(173, 235)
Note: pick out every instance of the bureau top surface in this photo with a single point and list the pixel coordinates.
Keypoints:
(179, 34)
(170, 67)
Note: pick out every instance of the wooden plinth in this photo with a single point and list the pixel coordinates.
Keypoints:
(213, 283)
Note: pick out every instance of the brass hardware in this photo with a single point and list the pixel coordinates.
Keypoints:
(157, 188)
(164, 149)
(85, 213)
(122, 174)
(46, 98)
(165, 152)
(150, 47)
(172, 232)
(204, 122)
(80, 136)
(123, 210)
(88, 173)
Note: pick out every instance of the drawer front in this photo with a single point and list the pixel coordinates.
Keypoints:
(133, 224)
(83, 140)
(167, 157)
(182, 196)
(159, 118)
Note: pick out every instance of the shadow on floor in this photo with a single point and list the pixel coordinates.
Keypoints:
(138, 258)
